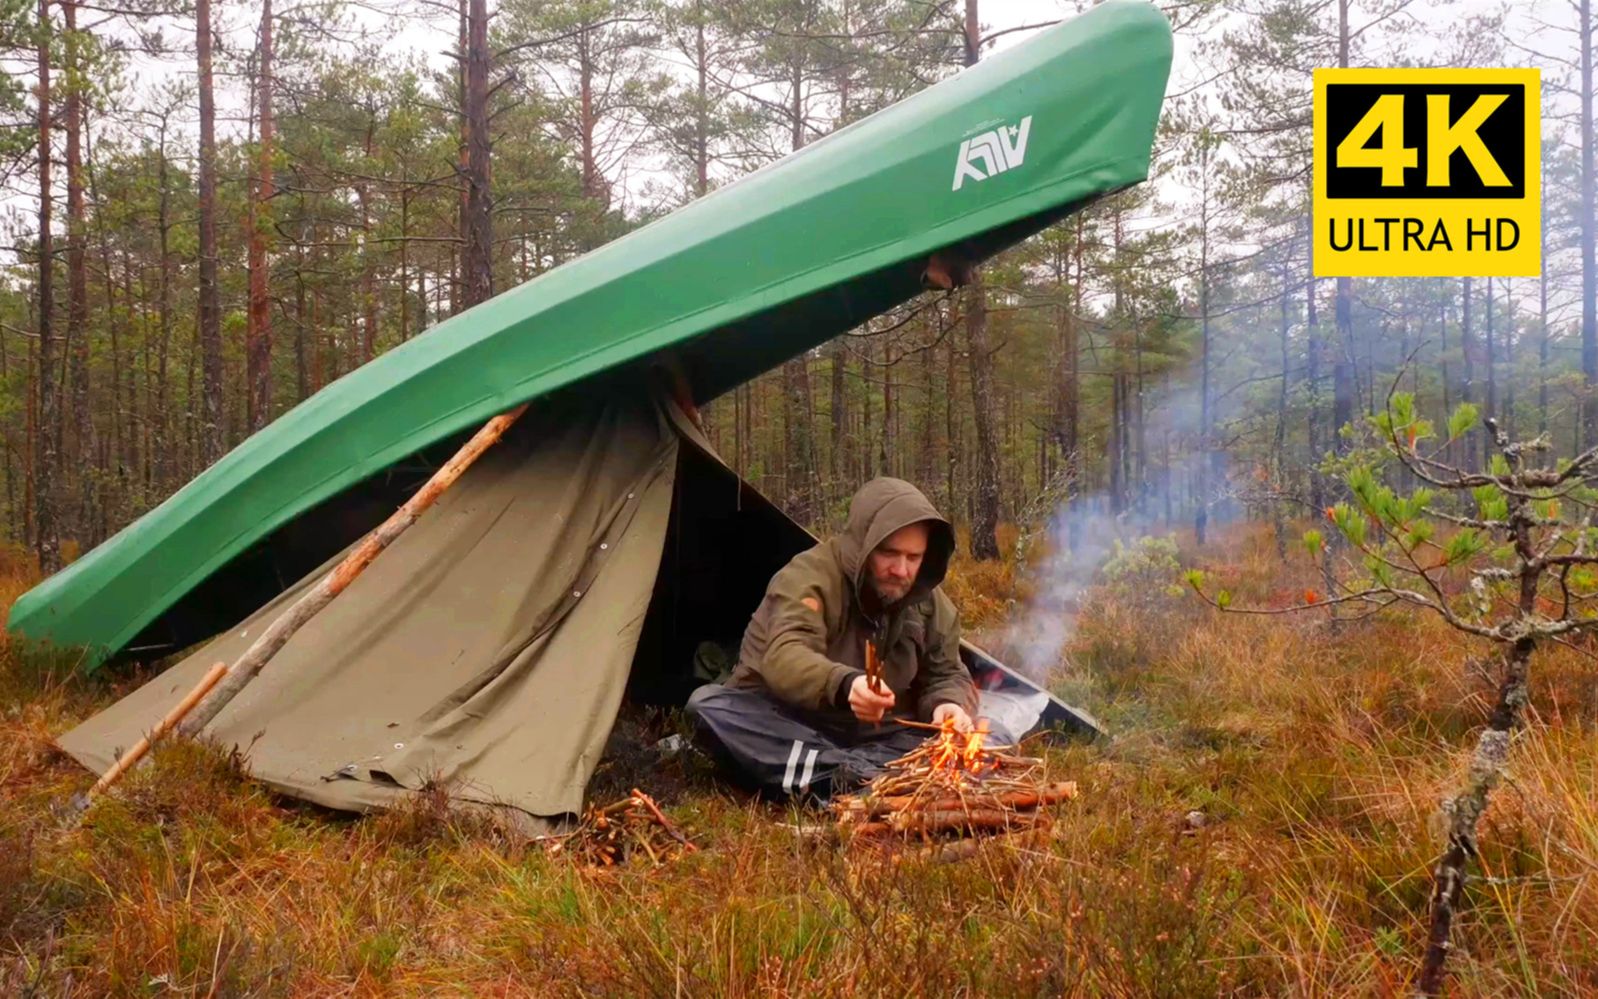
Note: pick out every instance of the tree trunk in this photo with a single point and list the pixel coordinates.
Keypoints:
(1206, 403)
(165, 465)
(302, 374)
(593, 185)
(799, 463)
(258, 333)
(799, 474)
(1442, 354)
(1542, 350)
(1312, 385)
(210, 304)
(1279, 445)
(885, 440)
(47, 541)
(1343, 387)
(701, 105)
(1508, 340)
(985, 509)
(1589, 280)
(368, 250)
(479, 235)
(1491, 411)
(80, 454)
(457, 261)
(1066, 409)
(951, 427)
(835, 492)
(1467, 347)
(1464, 810)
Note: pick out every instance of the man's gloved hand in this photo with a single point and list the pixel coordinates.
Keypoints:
(867, 704)
(954, 712)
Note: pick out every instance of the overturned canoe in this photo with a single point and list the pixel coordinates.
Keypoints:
(732, 284)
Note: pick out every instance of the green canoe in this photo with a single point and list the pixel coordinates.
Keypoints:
(733, 284)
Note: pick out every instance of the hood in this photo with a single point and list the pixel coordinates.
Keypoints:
(881, 507)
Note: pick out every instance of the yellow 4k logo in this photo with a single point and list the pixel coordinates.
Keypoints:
(1427, 172)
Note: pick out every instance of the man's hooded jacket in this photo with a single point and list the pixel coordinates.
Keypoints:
(806, 641)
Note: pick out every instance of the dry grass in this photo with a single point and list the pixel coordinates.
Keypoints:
(1316, 756)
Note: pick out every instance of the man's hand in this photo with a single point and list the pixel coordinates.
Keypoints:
(955, 713)
(867, 704)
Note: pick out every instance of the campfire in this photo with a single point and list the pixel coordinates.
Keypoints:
(953, 786)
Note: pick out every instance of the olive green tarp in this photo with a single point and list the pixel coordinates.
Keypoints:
(488, 648)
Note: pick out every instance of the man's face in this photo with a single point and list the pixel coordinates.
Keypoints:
(894, 563)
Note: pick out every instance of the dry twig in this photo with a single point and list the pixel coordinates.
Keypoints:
(622, 830)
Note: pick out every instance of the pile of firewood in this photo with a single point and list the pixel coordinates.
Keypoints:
(631, 829)
(950, 787)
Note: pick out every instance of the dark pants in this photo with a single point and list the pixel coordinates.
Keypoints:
(778, 750)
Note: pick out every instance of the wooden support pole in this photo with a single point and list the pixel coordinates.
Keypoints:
(280, 631)
(199, 706)
(136, 752)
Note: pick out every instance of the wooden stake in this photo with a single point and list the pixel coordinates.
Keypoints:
(138, 749)
(213, 693)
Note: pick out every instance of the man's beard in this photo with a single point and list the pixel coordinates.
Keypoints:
(885, 597)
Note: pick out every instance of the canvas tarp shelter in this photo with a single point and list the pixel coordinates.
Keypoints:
(491, 646)
(720, 291)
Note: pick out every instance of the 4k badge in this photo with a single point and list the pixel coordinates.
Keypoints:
(1427, 173)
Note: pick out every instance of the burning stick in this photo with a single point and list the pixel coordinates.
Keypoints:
(873, 667)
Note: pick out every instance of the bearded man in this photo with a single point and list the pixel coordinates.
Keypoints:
(798, 715)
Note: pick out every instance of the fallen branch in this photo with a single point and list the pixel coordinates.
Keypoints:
(945, 820)
(1043, 795)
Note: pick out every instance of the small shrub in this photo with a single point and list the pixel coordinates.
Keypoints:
(1144, 572)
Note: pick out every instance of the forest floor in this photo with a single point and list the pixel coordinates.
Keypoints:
(1317, 757)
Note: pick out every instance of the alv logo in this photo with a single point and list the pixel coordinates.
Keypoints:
(998, 150)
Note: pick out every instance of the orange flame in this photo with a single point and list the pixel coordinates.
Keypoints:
(947, 752)
(974, 761)
(967, 754)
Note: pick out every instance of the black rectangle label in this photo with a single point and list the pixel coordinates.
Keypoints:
(1389, 122)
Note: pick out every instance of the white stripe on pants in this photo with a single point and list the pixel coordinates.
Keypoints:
(793, 761)
(810, 768)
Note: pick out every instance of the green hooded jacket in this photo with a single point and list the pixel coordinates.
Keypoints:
(805, 643)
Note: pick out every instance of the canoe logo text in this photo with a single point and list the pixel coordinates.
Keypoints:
(998, 150)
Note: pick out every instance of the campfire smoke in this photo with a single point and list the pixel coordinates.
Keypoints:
(1081, 532)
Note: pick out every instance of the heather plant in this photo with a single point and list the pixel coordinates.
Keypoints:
(1507, 554)
(1142, 570)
